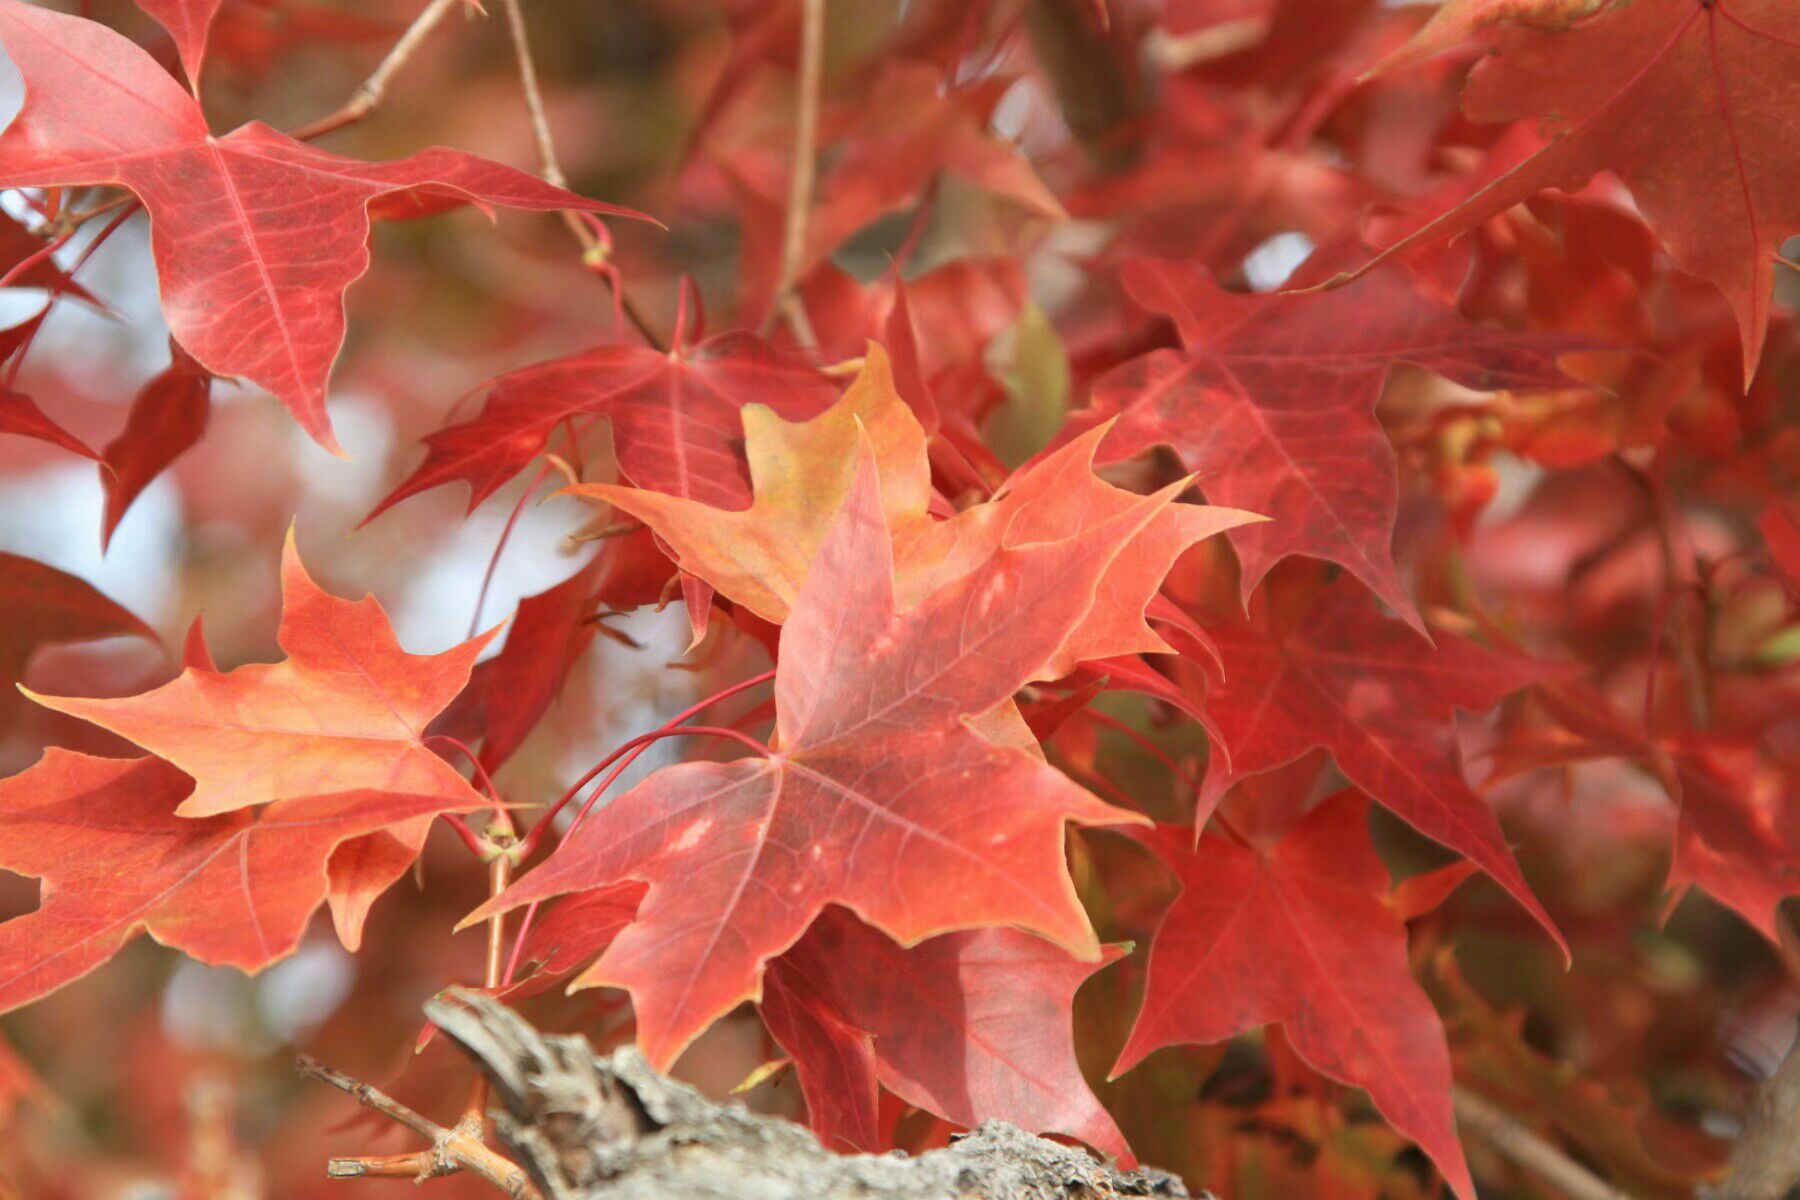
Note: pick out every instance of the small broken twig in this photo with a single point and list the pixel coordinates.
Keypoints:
(452, 1149)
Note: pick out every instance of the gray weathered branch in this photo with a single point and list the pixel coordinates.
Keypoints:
(1765, 1163)
(589, 1128)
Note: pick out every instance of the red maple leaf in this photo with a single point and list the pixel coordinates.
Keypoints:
(1781, 531)
(1738, 832)
(571, 933)
(188, 22)
(346, 711)
(45, 606)
(167, 419)
(675, 417)
(877, 795)
(509, 693)
(1690, 102)
(972, 1026)
(1303, 933)
(546, 635)
(256, 235)
(232, 890)
(17, 243)
(19, 413)
(1272, 403)
(1341, 677)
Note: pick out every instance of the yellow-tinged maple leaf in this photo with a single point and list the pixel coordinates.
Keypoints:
(801, 471)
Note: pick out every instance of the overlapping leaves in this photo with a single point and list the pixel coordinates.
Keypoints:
(877, 793)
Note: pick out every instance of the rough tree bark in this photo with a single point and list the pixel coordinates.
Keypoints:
(1765, 1163)
(612, 1128)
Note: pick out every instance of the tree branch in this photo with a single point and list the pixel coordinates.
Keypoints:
(612, 1128)
(452, 1150)
(1494, 1126)
(1765, 1163)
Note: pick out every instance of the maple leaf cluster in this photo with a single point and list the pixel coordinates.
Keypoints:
(1252, 545)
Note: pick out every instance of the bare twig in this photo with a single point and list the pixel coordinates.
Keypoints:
(1492, 1125)
(371, 1098)
(379, 1166)
(452, 1150)
(802, 172)
(368, 94)
(73, 221)
(499, 875)
(550, 164)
